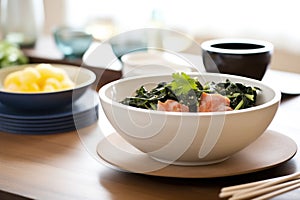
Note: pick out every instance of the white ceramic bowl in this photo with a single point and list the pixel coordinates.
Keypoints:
(188, 138)
(82, 77)
(153, 62)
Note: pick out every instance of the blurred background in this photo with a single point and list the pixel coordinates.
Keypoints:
(274, 21)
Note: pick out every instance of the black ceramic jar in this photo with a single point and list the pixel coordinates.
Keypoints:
(243, 57)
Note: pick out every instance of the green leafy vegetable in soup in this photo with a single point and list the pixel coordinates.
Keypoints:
(240, 96)
(185, 93)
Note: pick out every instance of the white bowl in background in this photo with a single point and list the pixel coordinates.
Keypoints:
(154, 62)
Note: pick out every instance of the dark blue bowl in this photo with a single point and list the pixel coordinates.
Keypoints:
(82, 77)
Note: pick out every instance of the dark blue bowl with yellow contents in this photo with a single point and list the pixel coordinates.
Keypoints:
(46, 100)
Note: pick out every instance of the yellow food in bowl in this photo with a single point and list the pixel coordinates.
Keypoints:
(41, 78)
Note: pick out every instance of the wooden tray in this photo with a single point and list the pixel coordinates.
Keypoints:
(271, 149)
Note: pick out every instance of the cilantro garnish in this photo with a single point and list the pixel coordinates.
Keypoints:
(182, 84)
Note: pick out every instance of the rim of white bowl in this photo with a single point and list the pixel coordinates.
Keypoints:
(274, 100)
(266, 46)
(87, 83)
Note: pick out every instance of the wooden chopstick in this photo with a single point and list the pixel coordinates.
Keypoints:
(278, 192)
(230, 190)
(243, 189)
(270, 189)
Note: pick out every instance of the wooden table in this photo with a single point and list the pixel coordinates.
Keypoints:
(62, 166)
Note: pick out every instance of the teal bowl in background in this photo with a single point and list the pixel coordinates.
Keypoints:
(72, 42)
